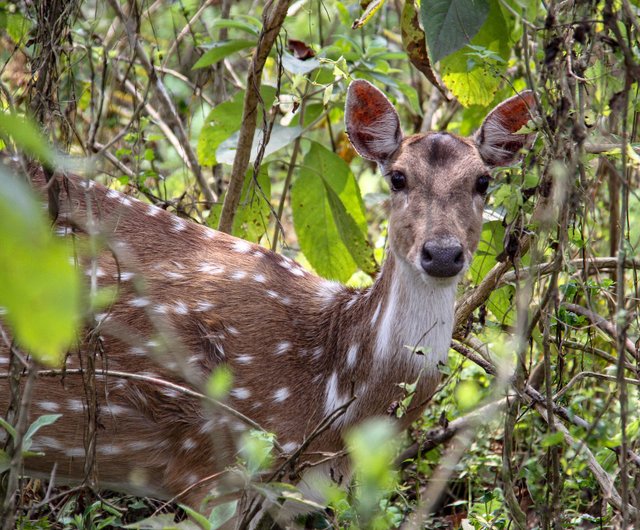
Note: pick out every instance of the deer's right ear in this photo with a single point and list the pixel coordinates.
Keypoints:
(372, 124)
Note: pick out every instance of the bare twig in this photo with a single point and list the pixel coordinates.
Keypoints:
(167, 103)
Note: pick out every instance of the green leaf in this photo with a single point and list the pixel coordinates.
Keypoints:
(328, 213)
(252, 216)
(554, 438)
(41, 421)
(280, 137)
(473, 77)
(450, 24)
(222, 513)
(220, 50)
(26, 136)
(162, 522)
(228, 23)
(221, 123)
(39, 288)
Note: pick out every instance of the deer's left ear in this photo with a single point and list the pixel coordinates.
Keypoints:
(497, 141)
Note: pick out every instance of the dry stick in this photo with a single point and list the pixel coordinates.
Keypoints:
(593, 264)
(167, 103)
(273, 17)
(185, 30)
(470, 302)
(606, 326)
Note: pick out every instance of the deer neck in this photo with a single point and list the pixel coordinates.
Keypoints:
(416, 314)
(405, 320)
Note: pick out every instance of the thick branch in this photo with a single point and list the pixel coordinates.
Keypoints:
(273, 18)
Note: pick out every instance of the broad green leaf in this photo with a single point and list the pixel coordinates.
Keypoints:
(39, 288)
(490, 246)
(413, 40)
(221, 123)
(350, 232)
(228, 23)
(552, 439)
(298, 66)
(222, 513)
(252, 216)
(474, 77)
(220, 50)
(280, 137)
(41, 421)
(331, 244)
(450, 24)
(25, 134)
(256, 449)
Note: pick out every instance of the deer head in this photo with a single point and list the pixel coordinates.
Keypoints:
(438, 180)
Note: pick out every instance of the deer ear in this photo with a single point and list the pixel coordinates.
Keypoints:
(497, 141)
(372, 124)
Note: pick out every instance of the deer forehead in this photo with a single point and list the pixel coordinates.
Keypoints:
(438, 161)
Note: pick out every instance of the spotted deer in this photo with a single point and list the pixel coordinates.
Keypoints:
(188, 299)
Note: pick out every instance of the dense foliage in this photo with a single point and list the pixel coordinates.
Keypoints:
(536, 424)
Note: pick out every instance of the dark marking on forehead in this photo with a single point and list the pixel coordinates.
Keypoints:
(443, 149)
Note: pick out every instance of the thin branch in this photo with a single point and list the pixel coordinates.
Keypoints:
(167, 103)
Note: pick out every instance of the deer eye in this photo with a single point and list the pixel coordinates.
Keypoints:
(482, 184)
(398, 181)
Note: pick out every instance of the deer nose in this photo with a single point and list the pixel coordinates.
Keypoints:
(442, 259)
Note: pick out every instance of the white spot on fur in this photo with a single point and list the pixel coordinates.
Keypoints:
(244, 359)
(328, 291)
(351, 302)
(376, 314)
(238, 275)
(161, 309)
(113, 194)
(188, 444)
(180, 308)
(178, 224)
(240, 393)
(241, 246)
(49, 406)
(99, 273)
(75, 405)
(210, 268)
(172, 275)
(203, 305)
(136, 350)
(152, 210)
(125, 201)
(290, 447)
(50, 442)
(139, 302)
(109, 450)
(100, 317)
(260, 278)
(317, 352)
(352, 355)
(333, 398)
(210, 234)
(281, 394)
(298, 271)
(74, 452)
(282, 347)
(124, 276)
(232, 330)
